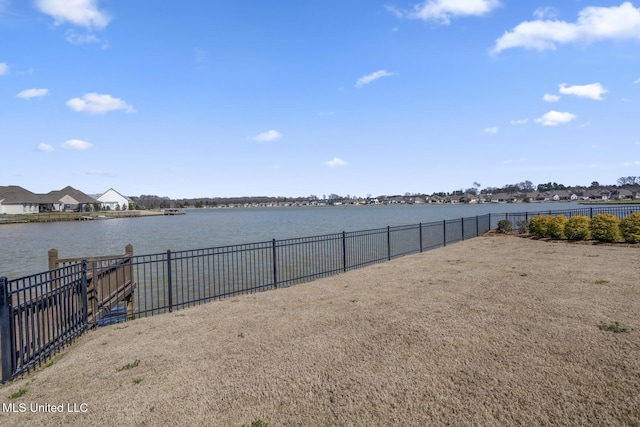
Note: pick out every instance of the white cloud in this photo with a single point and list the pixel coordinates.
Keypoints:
(442, 11)
(554, 118)
(74, 37)
(491, 130)
(335, 162)
(637, 81)
(545, 12)
(4, 68)
(96, 103)
(551, 98)
(519, 122)
(270, 135)
(45, 147)
(593, 24)
(76, 144)
(636, 163)
(32, 93)
(83, 13)
(592, 91)
(372, 77)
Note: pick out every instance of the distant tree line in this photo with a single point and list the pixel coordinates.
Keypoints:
(161, 202)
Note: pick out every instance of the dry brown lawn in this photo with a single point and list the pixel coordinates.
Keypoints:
(491, 331)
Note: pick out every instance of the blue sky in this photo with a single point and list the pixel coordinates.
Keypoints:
(205, 98)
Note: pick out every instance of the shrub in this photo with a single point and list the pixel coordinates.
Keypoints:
(555, 227)
(577, 228)
(523, 227)
(505, 226)
(630, 228)
(538, 225)
(605, 228)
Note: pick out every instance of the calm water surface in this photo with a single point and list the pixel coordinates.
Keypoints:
(25, 246)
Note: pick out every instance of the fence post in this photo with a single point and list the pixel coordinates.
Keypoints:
(388, 243)
(477, 225)
(420, 225)
(462, 226)
(170, 285)
(6, 335)
(130, 299)
(444, 232)
(344, 251)
(83, 293)
(275, 263)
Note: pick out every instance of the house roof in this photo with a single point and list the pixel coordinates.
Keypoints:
(14, 194)
(77, 195)
(114, 191)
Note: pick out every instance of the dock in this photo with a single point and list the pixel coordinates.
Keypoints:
(173, 212)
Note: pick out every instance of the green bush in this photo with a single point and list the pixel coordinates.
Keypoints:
(605, 228)
(577, 228)
(630, 228)
(555, 227)
(538, 226)
(505, 226)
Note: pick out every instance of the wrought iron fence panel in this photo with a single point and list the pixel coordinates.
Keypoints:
(365, 247)
(40, 314)
(433, 235)
(453, 230)
(404, 240)
(304, 259)
(469, 227)
(152, 290)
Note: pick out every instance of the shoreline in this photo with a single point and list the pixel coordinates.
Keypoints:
(73, 216)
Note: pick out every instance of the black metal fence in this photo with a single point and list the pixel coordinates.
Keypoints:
(41, 313)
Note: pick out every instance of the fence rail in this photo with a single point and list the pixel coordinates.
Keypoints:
(41, 313)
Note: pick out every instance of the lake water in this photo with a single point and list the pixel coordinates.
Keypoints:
(25, 246)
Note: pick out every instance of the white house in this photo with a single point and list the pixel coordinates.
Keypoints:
(112, 200)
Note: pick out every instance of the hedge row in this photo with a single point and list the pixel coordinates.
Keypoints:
(602, 227)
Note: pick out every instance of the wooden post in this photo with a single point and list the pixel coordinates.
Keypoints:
(53, 259)
(53, 264)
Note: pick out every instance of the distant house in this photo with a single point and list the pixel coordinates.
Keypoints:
(17, 200)
(564, 195)
(597, 194)
(70, 199)
(623, 194)
(112, 200)
(503, 198)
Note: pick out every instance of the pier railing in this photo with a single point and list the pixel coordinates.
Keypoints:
(41, 313)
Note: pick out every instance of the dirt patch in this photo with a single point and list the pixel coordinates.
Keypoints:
(490, 331)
